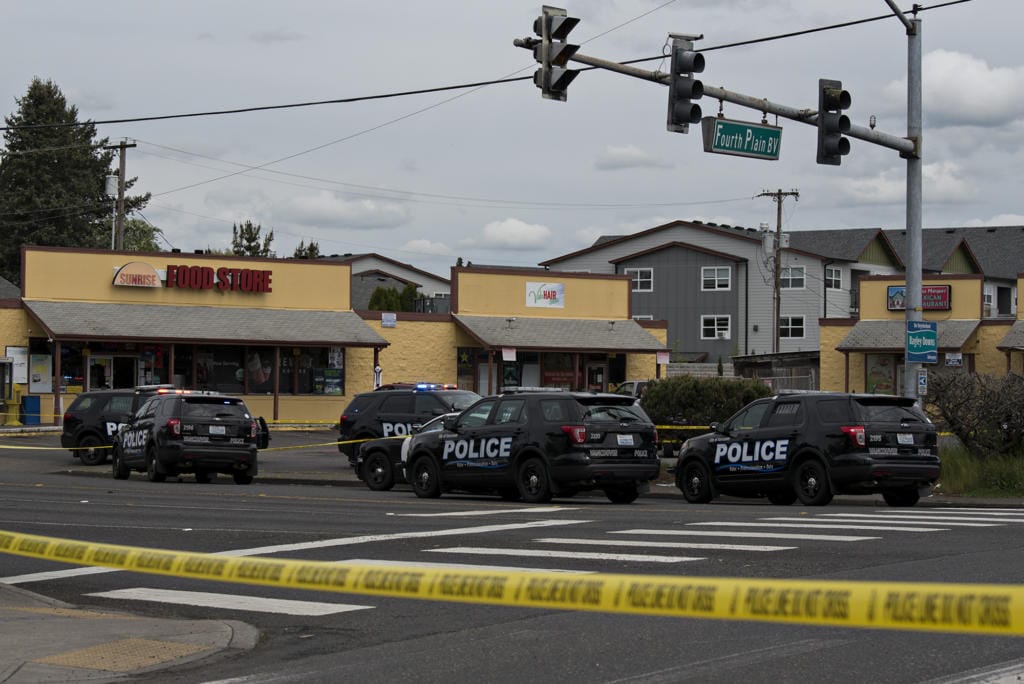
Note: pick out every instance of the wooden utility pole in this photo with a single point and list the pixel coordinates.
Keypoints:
(777, 197)
(119, 222)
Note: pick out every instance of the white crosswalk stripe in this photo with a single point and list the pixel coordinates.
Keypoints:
(760, 535)
(230, 601)
(574, 555)
(804, 524)
(923, 518)
(666, 545)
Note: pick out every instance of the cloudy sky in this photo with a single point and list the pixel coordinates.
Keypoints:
(496, 174)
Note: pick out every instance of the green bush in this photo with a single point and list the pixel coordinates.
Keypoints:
(965, 473)
(689, 400)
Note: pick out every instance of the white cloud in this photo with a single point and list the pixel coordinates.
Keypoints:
(998, 220)
(615, 158)
(511, 234)
(276, 36)
(962, 90)
(327, 210)
(943, 183)
(426, 247)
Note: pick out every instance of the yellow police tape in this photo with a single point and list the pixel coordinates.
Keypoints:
(962, 608)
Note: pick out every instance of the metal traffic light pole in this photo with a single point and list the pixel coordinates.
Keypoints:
(909, 148)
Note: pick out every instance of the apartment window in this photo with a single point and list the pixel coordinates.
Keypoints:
(643, 317)
(714, 328)
(791, 327)
(792, 278)
(715, 278)
(833, 278)
(643, 279)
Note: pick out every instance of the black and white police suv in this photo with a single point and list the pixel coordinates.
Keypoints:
(94, 417)
(379, 462)
(393, 412)
(810, 446)
(536, 445)
(190, 432)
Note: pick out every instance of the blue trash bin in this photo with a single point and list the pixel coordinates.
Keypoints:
(30, 410)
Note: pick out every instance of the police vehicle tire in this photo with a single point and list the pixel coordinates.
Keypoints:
(784, 497)
(87, 452)
(121, 471)
(694, 481)
(532, 479)
(426, 482)
(203, 476)
(624, 494)
(242, 478)
(901, 497)
(811, 482)
(377, 472)
(153, 473)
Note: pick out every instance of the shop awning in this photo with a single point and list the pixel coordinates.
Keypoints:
(1014, 339)
(201, 324)
(564, 334)
(892, 335)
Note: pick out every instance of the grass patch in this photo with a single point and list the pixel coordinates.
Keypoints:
(967, 474)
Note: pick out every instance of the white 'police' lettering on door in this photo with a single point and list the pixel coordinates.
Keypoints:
(396, 429)
(752, 452)
(488, 447)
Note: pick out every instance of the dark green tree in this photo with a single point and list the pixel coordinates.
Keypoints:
(140, 236)
(407, 297)
(312, 251)
(53, 179)
(246, 240)
(385, 299)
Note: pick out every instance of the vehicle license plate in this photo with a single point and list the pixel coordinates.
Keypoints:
(625, 440)
(219, 430)
(904, 438)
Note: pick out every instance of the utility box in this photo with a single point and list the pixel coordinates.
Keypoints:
(30, 410)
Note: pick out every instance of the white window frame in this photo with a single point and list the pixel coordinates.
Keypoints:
(717, 279)
(786, 278)
(637, 274)
(722, 332)
(787, 325)
(833, 278)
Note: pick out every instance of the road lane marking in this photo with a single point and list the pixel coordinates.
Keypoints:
(666, 545)
(254, 604)
(895, 522)
(324, 543)
(759, 535)
(927, 518)
(455, 566)
(804, 524)
(488, 511)
(576, 555)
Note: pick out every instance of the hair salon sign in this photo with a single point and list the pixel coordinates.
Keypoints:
(545, 295)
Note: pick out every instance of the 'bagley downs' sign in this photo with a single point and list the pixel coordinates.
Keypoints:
(184, 277)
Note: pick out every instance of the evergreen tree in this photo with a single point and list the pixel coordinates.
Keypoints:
(246, 241)
(53, 179)
(407, 297)
(307, 252)
(140, 236)
(385, 299)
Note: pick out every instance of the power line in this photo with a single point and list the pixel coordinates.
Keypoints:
(462, 86)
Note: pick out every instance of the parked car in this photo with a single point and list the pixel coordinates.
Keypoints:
(810, 446)
(536, 445)
(203, 433)
(94, 417)
(379, 461)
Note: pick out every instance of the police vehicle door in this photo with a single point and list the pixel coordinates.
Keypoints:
(735, 457)
(116, 413)
(134, 436)
(462, 461)
(396, 415)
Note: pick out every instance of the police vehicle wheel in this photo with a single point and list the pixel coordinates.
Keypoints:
(812, 485)
(378, 473)
(88, 453)
(242, 478)
(901, 497)
(203, 477)
(534, 485)
(626, 494)
(782, 498)
(694, 481)
(152, 469)
(426, 482)
(121, 471)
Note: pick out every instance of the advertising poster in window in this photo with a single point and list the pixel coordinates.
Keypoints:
(40, 368)
(881, 373)
(20, 356)
(328, 381)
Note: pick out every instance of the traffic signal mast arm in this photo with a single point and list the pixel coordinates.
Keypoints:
(904, 146)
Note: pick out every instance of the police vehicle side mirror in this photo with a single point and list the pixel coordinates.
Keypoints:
(720, 428)
(449, 422)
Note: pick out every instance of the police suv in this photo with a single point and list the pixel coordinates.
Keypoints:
(94, 417)
(810, 446)
(379, 461)
(535, 445)
(190, 432)
(393, 412)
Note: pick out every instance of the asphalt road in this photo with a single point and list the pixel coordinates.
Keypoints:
(307, 507)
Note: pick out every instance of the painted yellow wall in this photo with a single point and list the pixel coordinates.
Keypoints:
(965, 299)
(419, 351)
(989, 360)
(16, 327)
(87, 276)
(490, 294)
(645, 366)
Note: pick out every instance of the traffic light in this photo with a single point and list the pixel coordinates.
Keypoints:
(683, 88)
(832, 123)
(553, 53)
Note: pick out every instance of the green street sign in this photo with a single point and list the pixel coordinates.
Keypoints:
(741, 138)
